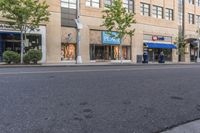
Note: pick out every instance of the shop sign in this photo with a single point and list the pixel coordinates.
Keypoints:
(110, 39)
(158, 38)
(7, 27)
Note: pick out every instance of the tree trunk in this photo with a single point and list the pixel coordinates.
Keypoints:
(131, 54)
(22, 48)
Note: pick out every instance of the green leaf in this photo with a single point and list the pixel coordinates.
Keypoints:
(116, 18)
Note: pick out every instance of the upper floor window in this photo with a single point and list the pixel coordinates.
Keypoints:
(198, 20)
(198, 2)
(107, 2)
(68, 4)
(191, 2)
(128, 4)
(169, 14)
(145, 9)
(93, 3)
(157, 12)
(191, 18)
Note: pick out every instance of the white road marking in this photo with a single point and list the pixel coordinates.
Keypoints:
(98, 70)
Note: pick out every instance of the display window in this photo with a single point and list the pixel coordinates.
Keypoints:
(154, 54)
(68, 52)
(109, 52)
(126, 52)
(12, 42)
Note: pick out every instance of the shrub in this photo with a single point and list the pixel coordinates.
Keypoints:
(26, 59)
(33, 56)
(11, 57)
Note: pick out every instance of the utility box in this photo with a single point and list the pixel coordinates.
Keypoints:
(139, 58)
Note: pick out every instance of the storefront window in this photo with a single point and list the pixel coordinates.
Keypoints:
(167, 54)
(68, 52)
(33, 41)
(12, 42)
(108, 52)
(126, 50)
(154, 54)
(115, 53)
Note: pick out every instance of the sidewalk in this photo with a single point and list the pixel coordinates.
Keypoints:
(191, 127)
(91, 64)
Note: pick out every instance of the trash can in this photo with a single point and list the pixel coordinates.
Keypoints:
(145, 58)
(139, 59)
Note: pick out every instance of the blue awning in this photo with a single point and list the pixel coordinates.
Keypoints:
(159, 45)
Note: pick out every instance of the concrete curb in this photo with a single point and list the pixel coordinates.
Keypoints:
(93, 64)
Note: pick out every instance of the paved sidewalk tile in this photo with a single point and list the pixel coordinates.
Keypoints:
(192, 127)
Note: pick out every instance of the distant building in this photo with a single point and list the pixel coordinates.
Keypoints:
(158, 24)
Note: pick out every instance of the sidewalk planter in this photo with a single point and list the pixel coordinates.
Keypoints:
(11, 57)
(32, 56)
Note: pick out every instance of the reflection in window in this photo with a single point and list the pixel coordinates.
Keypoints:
(191, 2)
(68, 4)
(198, 20)
(191, 18)
(145, 9)
(33, 41)
(107, 2)
(93, 3)
(128, 4)
(169, 14)
(157, 12)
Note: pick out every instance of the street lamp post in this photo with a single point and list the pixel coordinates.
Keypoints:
(198, 59)
(198, 39)
(79, 26)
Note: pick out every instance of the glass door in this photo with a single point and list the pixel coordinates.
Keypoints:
(99, 52)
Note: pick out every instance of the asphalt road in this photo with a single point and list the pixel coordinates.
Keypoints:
(98, 99)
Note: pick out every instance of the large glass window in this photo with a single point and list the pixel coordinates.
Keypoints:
(109, 52)
(191, 1)
(157, 12)
(68, 13)
(93, 3)
(191, 18)
(180, 13)
(126, 52)
(145, 9)
(198, 2)
(11, 41)
(33, 41)
(154, 54)
(169, 14)
(107, 2)
(198, 20)
(128, 4)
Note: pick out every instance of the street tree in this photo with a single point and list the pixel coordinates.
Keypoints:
(25, 16)
(117, 18)
(181, 43)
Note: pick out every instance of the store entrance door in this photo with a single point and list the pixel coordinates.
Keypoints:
(153, 54)
(102, 52)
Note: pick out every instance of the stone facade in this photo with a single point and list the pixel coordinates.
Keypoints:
(91, 18)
